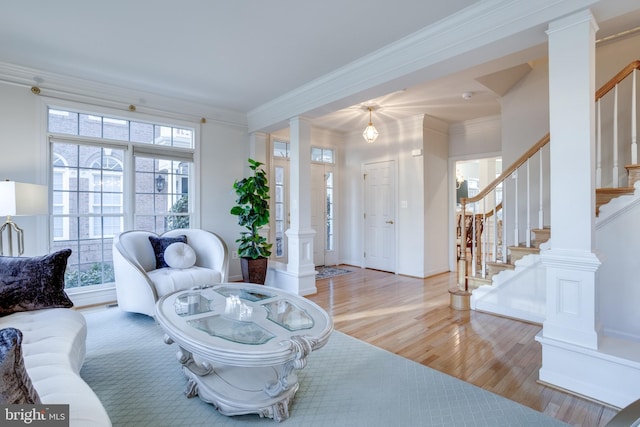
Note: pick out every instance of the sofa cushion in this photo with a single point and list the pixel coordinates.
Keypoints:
(33, 283)
(15, 385)
(160, 244)
(180, 255)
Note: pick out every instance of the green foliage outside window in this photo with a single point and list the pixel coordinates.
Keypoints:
(97, 274)
(178, 221)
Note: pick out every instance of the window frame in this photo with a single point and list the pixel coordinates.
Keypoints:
(168, 120)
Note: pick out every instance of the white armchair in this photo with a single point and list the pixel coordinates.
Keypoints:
(139, 284)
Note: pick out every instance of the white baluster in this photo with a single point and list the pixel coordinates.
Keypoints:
(599, 146)
(504, 221)
(634, 130)
(483, 272)
(494, 251)
(541, 192)
(516, 235)
(615, 137)
(474, 251)
(527, 236)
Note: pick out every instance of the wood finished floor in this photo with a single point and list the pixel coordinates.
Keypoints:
(411, 317)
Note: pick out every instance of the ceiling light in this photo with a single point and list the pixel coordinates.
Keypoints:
(467, 95)
(370, 132)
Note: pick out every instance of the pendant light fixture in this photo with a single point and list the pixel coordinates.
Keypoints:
(370, 132)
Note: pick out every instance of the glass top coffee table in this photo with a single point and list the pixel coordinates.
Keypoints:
(240, 344)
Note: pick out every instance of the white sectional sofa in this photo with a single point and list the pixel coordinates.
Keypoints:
(43, 340)
(53, 348)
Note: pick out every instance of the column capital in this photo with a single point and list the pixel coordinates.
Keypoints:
(571, 20)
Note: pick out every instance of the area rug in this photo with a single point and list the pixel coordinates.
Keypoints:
(346, 383)
(325, 272)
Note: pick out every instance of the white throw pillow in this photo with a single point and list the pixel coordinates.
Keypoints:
(179, 255)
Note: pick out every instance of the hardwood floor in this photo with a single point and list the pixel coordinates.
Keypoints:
(411, 317)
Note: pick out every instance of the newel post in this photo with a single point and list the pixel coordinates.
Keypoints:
(459, 296)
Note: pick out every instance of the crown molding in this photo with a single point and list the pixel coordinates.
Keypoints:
(91, 92)
(477, 34)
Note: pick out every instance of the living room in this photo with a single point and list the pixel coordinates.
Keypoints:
(228, 134)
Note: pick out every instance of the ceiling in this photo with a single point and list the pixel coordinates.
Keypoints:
(241, 54)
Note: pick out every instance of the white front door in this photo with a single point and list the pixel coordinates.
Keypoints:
(379, 216)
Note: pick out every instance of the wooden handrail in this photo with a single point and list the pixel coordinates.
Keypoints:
(505, 173)
(635, 65)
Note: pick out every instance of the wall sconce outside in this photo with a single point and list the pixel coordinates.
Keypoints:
(160, 181)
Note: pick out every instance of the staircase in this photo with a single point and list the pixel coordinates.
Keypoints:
(504, 275)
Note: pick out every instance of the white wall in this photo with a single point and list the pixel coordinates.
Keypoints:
(224, 152)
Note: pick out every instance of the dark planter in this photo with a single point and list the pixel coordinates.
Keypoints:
(254, 270)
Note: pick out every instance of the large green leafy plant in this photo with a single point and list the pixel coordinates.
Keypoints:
(252, 209)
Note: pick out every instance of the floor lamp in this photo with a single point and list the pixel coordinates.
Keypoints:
(19, 199)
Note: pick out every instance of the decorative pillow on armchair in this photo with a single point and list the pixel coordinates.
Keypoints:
(15, 384)
(33, 283)
(160, 244)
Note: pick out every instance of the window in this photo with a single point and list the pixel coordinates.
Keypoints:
(279, 211)
(281, 149)
(107, 172)
(330, 211)
(319, 155)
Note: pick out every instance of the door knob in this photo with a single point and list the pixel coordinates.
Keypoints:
(389, 222)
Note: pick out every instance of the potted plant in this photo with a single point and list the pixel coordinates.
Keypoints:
(252, 210)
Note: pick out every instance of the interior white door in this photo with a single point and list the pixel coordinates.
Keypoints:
(379, 216)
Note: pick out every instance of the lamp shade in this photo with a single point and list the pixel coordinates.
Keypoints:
(20, 199)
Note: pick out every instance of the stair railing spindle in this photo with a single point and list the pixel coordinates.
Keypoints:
(494, 249)
(516, 234)
(474, 251)
(483, 269)
(599, 145)
(615, 137)
(634, 130)
(541, 193)
(504, 221)
(527, 236)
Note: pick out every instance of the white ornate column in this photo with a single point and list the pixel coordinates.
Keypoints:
(300, 275)
(569, 337)
(571, 263)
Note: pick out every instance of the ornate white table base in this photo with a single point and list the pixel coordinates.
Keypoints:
(266, 391)
(238, 391)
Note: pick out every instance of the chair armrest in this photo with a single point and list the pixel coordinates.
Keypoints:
(627, 417)
(134, 289)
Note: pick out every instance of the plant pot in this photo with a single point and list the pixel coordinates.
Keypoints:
(254, 270)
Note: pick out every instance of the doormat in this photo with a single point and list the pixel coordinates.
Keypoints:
(327, 272)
